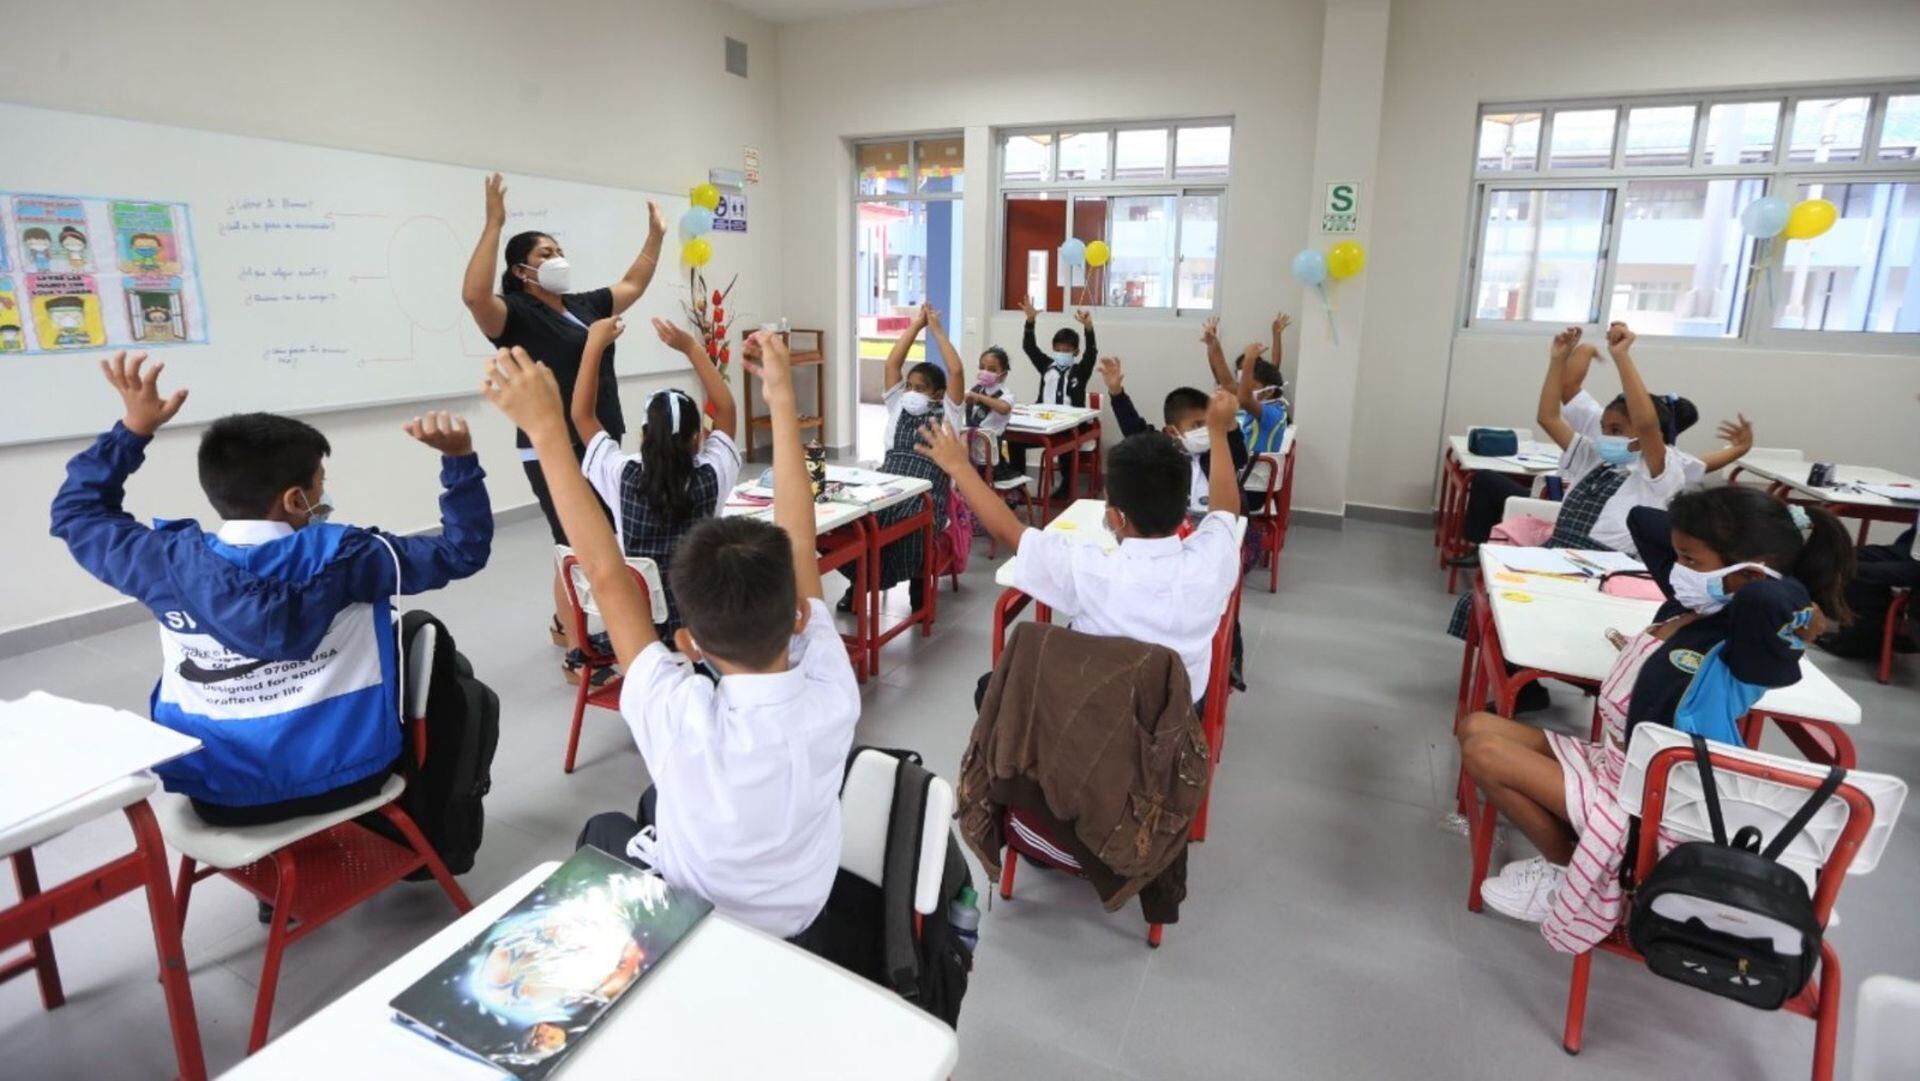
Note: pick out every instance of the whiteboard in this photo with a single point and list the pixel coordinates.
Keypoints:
(307, 278)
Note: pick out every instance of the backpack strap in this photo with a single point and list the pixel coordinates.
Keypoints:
(1709, 790)
(1805, 814)
(905, 826)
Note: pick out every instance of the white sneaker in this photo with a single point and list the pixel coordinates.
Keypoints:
(1524, 891)
(1518, 866)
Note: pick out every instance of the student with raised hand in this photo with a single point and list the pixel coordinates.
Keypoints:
(1157, 586)
(745, 804)
(537, 310)
(1258, 385)
(1185, 413)
(682, 472)
(1064, 370)
(276, 630)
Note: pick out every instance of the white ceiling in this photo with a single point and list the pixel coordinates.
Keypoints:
(789, 12)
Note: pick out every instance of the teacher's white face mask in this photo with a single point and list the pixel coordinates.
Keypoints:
(555, 275)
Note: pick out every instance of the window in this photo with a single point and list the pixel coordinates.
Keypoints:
(1153, 193)
(1630, 209)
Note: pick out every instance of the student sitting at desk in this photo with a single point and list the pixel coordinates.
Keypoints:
(989, 406)
(1064, 372)
(1157, 586)
(682, 471)
(277, 630)
(1742, 573)
(1185, 411)
(1264, 410)
(745, 804)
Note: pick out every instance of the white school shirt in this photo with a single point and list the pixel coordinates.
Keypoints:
(1166, 591)
(1582, 414)
(605, 467)
(995, 424)
(748, 776)
(953, 412)
(1640, 489)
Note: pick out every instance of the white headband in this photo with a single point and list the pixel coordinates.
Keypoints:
(673, 398)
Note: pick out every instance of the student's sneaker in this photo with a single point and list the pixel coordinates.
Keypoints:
(1524, 890)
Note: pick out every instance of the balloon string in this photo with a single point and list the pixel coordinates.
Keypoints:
(1326, 305)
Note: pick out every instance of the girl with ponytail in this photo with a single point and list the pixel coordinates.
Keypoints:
(1749, 581)
(682, 471)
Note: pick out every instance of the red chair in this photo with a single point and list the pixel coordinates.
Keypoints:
(981, 452)
(580, 605)
(314, 868)
(1027, 838)
(1895, 612)
(1663, 750)
(1268, 487)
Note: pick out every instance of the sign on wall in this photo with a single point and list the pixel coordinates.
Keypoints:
(732, 215)
(1341, 212)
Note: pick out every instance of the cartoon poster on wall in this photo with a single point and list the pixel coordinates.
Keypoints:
(143, 238)
(155, 309)
(66, 311)
(13, 334)
(53, 234)
(5, 260)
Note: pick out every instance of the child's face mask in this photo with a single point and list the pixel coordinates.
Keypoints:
(1706, 591)
(1615, 449)
(915, 402)
(1062, 359)
(1197, 441)
(319, 510)
(989, 379)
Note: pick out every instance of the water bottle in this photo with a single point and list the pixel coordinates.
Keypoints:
(963, 915)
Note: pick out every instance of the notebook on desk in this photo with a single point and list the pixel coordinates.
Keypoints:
(54, 750)
(523, 993)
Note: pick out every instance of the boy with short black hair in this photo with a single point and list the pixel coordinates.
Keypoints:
(745, 807)
(1185, 411)
(277, 630)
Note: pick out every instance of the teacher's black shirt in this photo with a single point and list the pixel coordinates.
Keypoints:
(557, 341)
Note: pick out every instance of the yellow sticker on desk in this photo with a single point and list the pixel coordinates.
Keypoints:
(1064, 525)
(1509, 578)
(1517, 597)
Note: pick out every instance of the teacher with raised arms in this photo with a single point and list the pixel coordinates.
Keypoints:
(538, 310)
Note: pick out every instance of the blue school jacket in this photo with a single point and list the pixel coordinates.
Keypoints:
(279, 657)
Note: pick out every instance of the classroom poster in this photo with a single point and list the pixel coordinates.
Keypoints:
(66, 311)
(53, 234)
(5, 265)
(155, 310)
(143, 238)
(13, 334)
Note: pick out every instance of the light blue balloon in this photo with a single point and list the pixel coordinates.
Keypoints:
(1310, 267)
(1766, 216)
(697, 221)
(1074, 253)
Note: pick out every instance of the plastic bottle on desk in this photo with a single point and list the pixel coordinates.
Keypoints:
(963, 915)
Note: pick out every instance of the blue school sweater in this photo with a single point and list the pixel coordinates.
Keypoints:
(279, 657)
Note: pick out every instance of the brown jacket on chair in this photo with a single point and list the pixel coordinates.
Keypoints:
(1103, 730)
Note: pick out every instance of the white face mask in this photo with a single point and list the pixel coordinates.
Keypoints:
(915, 402)
(1063, 360)
(320, 509)
(1198, 441)
(555, 275)
(1705, 592)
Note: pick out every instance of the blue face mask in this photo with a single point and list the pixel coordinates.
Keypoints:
(1062, 360)
(1615, 449)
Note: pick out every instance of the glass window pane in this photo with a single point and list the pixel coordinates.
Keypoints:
(1540, 255)
(1858, 275)
(1509, 142)
(1680, 256)
(942, 166)
(1828, 129)
(1741, 132)
(1199, 248)
(1900, 133)
(1140, 154)
(1582, 139)
(1660, 135)
(1139, 228)
(1083, 155)
(1036, 223)
(882, 168)
(1027, 158)
(1202, 152)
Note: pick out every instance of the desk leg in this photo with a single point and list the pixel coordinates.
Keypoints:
(930, 591)
(26, 878)
(166, 942)
(1821, 741)
(1011, 602)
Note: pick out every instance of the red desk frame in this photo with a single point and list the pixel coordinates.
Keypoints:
(877, 538)
(1055, 445)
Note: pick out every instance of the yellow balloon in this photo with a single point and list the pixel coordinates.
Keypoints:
(1809, 218)
(1098, 254)
(705, 196)
(696, 252)
(1345, 259)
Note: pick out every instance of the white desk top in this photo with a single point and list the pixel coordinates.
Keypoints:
(57, 754)
(1048, 419)
(1794, 476)
(1478, 463)
(868, 491)
(1086, 521)
(1560, 625)
(727, 1003)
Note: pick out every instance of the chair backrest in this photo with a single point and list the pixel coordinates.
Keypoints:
(419, 673)
(1886, 1032)
(1093, 399)
(1661, 783)
(1266, 473)
(580, 591)
(866, 810)
(1518, 505)
(980, 451)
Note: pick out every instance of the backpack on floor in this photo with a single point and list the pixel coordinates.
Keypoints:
(953, 546)
(463, 726)
(869, 930)
(1726, 917)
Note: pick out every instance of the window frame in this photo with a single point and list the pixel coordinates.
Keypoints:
(1780, 176)
(1166, 185)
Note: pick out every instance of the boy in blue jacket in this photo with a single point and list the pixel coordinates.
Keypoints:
(276, 630)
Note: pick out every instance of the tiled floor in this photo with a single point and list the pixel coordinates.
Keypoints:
(1326, 934)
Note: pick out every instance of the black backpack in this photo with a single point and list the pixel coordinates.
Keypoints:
(868, 929)
(1714, 914)
(463, 726)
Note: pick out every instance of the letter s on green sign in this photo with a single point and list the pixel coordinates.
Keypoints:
(1342, 199)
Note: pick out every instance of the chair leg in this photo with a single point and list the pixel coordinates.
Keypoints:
(1826, 1022)
(1577, 1003)
(403, 822)
(1481, 826)
(283, 893)
(1273, 563)
(579, 715)
(166, 942)
(183, 891)
(1008, 861)
(1894, 612)
(26, 877)
(1153, 934)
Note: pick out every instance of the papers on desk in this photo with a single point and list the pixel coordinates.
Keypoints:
(1534, 461)
(1538, 561)
(54, 750)
(1605, 562)
(1899, 493)
(856, 477)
